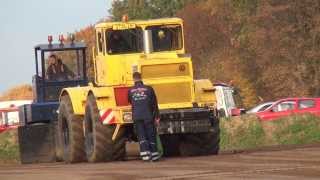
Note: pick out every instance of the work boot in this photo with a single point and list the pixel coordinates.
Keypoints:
(145, 156)
(155, 156)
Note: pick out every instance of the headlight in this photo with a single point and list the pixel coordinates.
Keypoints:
(127, 116)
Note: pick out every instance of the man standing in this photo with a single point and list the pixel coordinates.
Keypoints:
(145, 113)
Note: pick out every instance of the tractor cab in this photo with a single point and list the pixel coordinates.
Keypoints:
(58, 66)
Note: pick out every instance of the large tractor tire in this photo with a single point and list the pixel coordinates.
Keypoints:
(70, 132)
(98, 137)
(58, 143)
(201, 144)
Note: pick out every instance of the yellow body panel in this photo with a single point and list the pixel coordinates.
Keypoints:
(78, 96)
(204, 92)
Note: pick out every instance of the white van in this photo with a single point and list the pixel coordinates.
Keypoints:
(225, 100)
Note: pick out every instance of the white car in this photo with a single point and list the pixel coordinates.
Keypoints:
(260, 107)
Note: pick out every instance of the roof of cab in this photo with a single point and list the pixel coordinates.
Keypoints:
(143, 22)
(59, 47)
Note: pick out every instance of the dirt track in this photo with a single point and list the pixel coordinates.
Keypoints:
(297, 163)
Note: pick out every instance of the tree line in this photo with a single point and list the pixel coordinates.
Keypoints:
(269, 49)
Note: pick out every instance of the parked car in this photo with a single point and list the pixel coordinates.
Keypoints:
(260, 107)
(290, 106)
(226, 102)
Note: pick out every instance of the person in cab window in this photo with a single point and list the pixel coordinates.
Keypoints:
(57, 71)
(117, 44)
(163, 41)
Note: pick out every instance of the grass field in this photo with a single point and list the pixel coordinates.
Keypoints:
(247, 132)
(9, 149)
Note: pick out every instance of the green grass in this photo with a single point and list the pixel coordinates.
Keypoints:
(9, 148)
(297, 130)
(247, 132)
(241, 133)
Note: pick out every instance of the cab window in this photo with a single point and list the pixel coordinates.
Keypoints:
(100, 42)
(64, 65)
(166, 37)
(61, 66)
(124, 41)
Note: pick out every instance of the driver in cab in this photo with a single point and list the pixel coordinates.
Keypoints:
(117, 44)
(57, 71)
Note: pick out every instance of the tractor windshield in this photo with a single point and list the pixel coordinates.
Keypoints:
(124, 41)
(166, 37)
(63, 65)
(61, 69)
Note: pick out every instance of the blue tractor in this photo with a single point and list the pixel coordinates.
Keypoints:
(58, 66)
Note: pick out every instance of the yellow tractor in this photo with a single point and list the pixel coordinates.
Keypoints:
(94, 122)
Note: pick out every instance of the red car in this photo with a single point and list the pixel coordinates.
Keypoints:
(290, 106)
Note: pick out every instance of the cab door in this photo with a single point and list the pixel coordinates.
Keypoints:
(99, 64)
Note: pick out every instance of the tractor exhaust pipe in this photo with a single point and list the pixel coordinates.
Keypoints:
(147, 41)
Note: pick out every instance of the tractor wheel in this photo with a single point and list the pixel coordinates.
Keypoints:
(201, 144)
(98, 137)
(119, 146)
(70, 132)
(58, 143)
(170, 145)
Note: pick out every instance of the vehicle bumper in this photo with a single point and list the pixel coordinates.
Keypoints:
(191, 120)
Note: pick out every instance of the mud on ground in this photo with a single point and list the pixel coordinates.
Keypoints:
(289, 163)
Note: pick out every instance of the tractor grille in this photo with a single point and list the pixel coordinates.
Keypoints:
(186, 114)
(180, 121)
(173, 92)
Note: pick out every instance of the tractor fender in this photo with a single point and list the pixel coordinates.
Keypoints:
(78, 96)
(105, 100)
(104, 96)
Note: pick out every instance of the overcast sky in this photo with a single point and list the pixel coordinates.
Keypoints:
(25, 23)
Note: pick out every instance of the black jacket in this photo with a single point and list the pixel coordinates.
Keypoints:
(144, 102)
